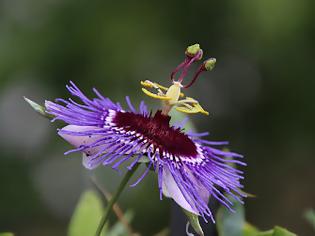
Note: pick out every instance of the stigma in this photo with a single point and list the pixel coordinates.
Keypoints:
(172, 96)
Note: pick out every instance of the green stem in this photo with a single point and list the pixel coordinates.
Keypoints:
(114, 199)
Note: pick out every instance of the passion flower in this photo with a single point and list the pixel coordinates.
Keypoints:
(189, 168)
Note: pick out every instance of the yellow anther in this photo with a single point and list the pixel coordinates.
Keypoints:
(195, 108)
(161, 87)
(187, 105)
(191, 100)
(185, 110)
(200, 109)
(157, 96)
(149, 84)
(171, 97)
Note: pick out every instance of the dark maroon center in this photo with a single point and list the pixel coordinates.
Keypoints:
(157, 130)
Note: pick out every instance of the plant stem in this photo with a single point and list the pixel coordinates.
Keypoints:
(116, 209)
(114, 199)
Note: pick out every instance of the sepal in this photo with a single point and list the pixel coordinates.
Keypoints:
(38, 108)
(194, 222)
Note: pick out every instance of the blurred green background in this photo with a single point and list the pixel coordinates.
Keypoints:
(260, 96)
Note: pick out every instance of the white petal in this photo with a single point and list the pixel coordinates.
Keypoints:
(86, 162)
(78, 141)
(170, 189)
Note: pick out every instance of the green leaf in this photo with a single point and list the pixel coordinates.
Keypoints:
(228, 223)
(310, 217)
(276, 231)
(87, 215)
(265, 233)
(234, 224)
(163, 232)
(6, 234)
(194, 222)
(279, 231)
(119, 229)
(249, 230)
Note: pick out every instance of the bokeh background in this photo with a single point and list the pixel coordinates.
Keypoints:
(260, 96)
